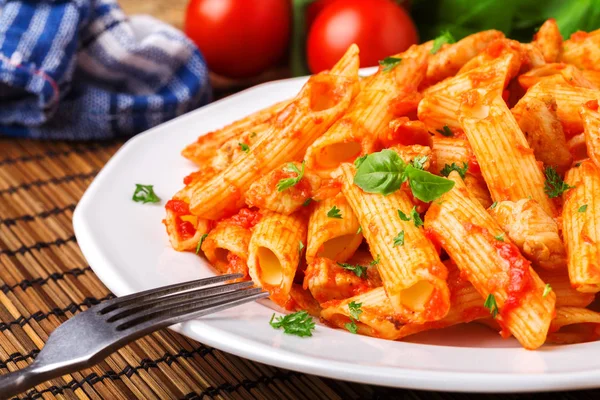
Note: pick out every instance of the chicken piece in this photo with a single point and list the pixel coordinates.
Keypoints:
(533, 231)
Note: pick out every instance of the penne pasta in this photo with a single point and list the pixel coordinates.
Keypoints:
(441, 102)
(574, 325)
(484, 115)
(533, 231)
(495, 267)
(356, 132)
(274, 253)
(591, 129)
(449, 151)
(562, 73)
(566, 296)
(413, 275)
(209, 143)
(323, 99)
(450, 58)
(378, 318)
(333, 230)
(283, 190)
(581, 226)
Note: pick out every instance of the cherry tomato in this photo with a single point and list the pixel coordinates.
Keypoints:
(239, 38)
(380, 28)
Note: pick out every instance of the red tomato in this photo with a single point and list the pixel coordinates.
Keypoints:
(380, 28)
(239, 38)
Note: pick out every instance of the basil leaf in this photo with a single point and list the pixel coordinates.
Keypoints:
(381, 172)
(425, 186)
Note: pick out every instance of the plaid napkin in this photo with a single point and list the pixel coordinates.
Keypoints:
(80, 69)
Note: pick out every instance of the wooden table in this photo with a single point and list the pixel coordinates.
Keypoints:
(44, 279)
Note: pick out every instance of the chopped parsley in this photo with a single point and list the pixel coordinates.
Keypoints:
(445, 131)
(384, 172)
(444, 38)
(399, 239)
(554, 185)
(490, 304)
(253, 135)
(355, 310)
(289, 182)
(494, 204)
(462, 171)
(299, 323)
(582, 209)
(334, 213)
(500, 237)
(358, 270)
(376, 261)
(307, 202)
(414, 216)
(145, 194)
(419, 162)
(199, 246)
(359, 230)
(547, 290)
(389, 63)
(300, 246)
(245, 148)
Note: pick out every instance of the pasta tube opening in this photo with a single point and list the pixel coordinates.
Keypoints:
(270, 270)
(333, 155)
(417, 296)
(338, 246)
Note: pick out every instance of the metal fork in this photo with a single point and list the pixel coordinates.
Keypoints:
(92, 335)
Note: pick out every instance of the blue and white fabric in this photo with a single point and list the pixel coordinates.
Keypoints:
(81, 69)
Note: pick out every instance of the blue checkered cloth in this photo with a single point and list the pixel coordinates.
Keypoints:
(81, 69)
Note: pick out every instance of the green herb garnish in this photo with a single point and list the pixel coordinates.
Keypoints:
(414, 216)
(199, 246)
(445, 131)
(547, 290)
(582, 209)
(145, 194)
(490, 304)
(299, 323)
(399, 239)
(358, 270)
(334, 213)
(289, 182)
(462, 171)
(389, 63)
(554, 185)
(444, 38)
(245, 148)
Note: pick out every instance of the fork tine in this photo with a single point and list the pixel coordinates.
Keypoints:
(168, 315)
(135, 306)
(110, 305)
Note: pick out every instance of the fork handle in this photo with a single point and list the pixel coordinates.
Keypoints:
(13, 383)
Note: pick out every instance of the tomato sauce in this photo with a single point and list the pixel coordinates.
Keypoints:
(185, 229)
(592, 105)
(474, 167)
(178, 207)
(437, 307)
(236, 265)
(579, 36)
(433, 237)
(519, 276)
(329, 188)
(246, 218)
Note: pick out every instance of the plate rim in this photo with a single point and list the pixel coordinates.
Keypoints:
(243, 347)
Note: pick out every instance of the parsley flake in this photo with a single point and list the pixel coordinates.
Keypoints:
(358, 270)
(582, 209)
(414, 216)
(300, 246)
(500, 237)
(445, 131)
(245, 148)
(399, 240)
(307, 202)
(351, 327)
(444, 38)
(462, 171)
(389, 63)
(376, 261)
(199, 246)
(145, 194)
(384, 172)
(494, 204)
(252, 135)
(490, 304)
(547, 290)
(554, 185)
(289, 182)
(299, 323)
(334, 213)
(359, 230)
(419, 162)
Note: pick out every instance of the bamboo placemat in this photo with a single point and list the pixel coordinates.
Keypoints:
(44, 280)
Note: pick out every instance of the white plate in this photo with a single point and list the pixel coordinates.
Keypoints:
(126, 245)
